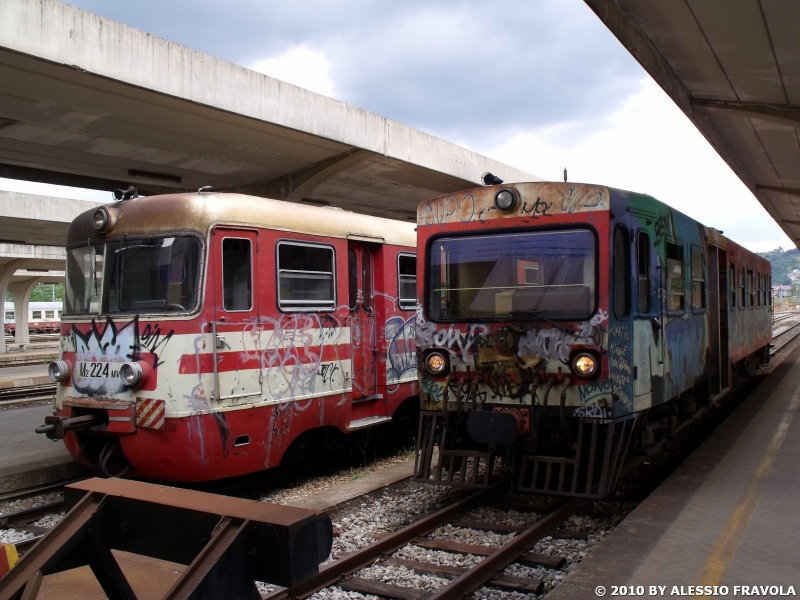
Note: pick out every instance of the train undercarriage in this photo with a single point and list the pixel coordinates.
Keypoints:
(556, 453)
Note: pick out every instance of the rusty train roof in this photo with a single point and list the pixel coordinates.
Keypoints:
(537, 198)
(154, 215)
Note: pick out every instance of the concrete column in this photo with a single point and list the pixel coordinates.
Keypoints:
(21, 295)
(6, 272)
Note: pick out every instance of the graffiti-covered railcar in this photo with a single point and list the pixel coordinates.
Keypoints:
(561, 325)
(203, 334)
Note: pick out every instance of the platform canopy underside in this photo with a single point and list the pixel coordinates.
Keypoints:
(89, 102)
(732, 68)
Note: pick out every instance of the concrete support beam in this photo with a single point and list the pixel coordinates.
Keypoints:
(294, 186)
(780, 190)
(782, 114)
(7, 271)
(21, 295)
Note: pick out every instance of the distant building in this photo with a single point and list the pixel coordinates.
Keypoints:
(781, 291)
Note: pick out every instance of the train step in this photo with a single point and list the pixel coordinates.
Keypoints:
(366, 422)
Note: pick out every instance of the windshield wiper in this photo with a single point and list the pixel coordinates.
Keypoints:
(92, 274)
(538, 314)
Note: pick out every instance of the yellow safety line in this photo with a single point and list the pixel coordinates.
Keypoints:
(732, 533)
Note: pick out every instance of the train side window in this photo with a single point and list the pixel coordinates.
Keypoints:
(352, 279)
(698, 281)
(769, 289)
(643, 270)
(237, 274)
(9, 315)
(306, 276)
(49, 314)
(622, 272)
(750, 289)
(742, 290)
(758, 290)
(732, 284)
(407, 281)
(36, 314)
(675, 285)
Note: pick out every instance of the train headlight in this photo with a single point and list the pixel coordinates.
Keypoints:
(436, 363)
(58, 370)
(505, 200)
(132, 374)
(104, 219)
(585, 364)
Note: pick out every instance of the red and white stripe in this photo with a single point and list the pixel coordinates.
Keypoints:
(150, 413)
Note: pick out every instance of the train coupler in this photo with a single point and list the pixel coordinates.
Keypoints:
(56, 427)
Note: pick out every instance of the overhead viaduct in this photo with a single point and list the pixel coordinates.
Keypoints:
(89, 102)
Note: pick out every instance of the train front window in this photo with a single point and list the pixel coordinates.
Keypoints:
(156, 275)
(530, 276)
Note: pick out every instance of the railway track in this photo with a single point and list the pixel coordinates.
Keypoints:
(24, 520)
(463, 580)
(784, 338)
(27, 394)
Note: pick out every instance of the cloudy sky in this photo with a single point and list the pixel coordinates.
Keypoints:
(537, 84)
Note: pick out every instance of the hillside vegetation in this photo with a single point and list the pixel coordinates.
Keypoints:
(783, 263)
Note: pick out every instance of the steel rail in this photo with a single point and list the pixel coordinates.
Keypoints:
(334, 572)
(29, 515)
(795, 330)
(490, 566)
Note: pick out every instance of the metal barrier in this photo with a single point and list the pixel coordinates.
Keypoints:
(226, 543)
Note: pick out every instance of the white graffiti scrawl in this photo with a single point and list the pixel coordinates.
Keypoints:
(104, 348)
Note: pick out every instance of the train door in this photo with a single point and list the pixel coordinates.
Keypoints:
(363, 332)
(648, 324)
(621, 338)
(717, 259)
(235, 329)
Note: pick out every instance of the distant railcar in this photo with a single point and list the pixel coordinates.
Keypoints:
(43, 317)
(561, 325)
(204, 334)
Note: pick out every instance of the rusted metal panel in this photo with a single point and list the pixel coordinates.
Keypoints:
(156, 215)
(227, 542)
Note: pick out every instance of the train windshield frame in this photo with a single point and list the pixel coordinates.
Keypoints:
(134, 275)
(526, 276)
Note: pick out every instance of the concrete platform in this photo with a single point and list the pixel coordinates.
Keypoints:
(24, 376)
(27, 459)
(728, 516)
(32, 356)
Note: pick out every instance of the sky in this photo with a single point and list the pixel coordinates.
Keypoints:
(537, 84)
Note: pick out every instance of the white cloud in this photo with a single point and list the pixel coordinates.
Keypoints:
(649, 146)
(300, 66)
(59, 191)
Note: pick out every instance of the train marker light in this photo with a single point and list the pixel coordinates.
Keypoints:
(585, 365)
(133, 374)
(505, 200)
(104, 219)
(436, 363)
(58, 370)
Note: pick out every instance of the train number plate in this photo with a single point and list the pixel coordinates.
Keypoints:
(99, 370)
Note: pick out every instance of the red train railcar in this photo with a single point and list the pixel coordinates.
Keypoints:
(203, 334)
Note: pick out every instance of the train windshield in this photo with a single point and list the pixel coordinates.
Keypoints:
(525, 276)
(154, 275)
